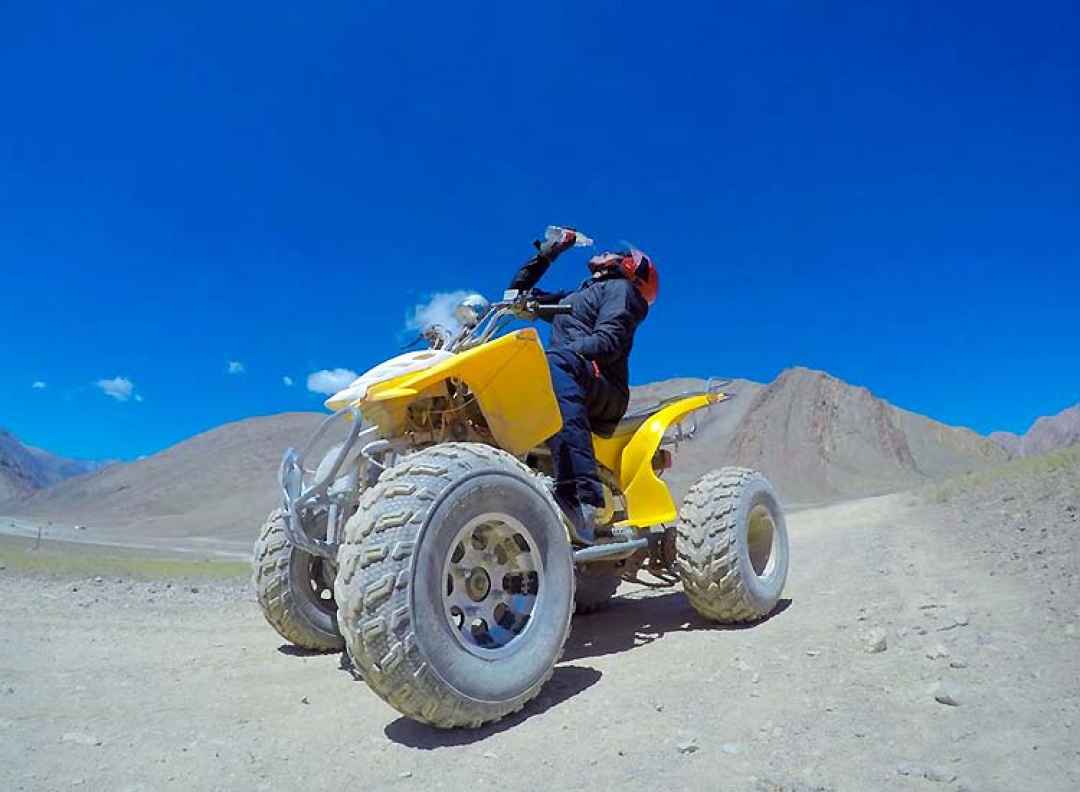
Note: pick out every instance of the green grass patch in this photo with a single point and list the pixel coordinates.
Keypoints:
(78, 560)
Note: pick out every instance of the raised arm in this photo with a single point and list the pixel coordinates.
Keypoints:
(533, 270)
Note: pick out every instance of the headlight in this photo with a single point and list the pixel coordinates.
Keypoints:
(471, 310)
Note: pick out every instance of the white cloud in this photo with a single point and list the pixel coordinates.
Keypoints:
(119, 388)
(236, 367)
(39, 385)
(330, 381)
(288, 381)
(439, 309)
(138, 397)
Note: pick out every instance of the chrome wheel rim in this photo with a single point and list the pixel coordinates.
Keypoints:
(759, 541)
(492, 584)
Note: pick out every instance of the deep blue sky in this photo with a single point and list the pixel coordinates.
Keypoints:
(889, 193)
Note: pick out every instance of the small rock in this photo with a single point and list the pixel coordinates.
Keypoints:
(875, 641)
(939, 652)
(99, 579)
(659, 707)
(755, 678)
(490, 755)
(954, 620)
(956, 662)
(194, 589)
(908, 769)
(78, 738)
(406, 774)
(304, 700)
(943, 694)
(812, 652)
(688, 746)
(939, 775)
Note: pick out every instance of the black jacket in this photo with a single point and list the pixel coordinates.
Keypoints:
(607, 310)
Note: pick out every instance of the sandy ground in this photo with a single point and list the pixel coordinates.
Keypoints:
(120, 684)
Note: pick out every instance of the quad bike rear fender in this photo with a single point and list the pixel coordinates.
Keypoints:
(509, 377)
(648, 498)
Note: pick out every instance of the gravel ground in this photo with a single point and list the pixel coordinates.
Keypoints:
(928, 641)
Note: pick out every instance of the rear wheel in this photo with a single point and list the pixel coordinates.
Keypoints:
(295, 589)
(732, 546)
(456, 585)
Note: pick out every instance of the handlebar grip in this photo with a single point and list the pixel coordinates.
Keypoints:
(545, 311)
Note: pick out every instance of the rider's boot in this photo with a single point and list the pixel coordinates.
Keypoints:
(582, 518)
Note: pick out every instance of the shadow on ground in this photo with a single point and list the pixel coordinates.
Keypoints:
(632, 622)
(299, 651)
(565, 683)
(628, 623)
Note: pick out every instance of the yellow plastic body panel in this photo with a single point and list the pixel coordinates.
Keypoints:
(630, 457)
(509, 377)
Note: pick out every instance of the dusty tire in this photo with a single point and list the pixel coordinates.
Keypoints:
(280, 573)
(732, 546)
(398, 582)
(593, 591)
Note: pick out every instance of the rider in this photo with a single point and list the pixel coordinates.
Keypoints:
(588, 355)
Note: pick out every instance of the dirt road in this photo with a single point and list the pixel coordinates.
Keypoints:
(122, 685)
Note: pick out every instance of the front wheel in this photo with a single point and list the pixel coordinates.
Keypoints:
(295, 589)
(455, 586)
(732, 546)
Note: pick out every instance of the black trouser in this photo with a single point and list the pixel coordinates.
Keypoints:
(584, 400)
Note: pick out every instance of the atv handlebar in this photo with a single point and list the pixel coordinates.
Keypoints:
(549, 311)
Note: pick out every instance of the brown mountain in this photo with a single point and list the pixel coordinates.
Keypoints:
(820, 439)
(216, 485)
(1045, 435)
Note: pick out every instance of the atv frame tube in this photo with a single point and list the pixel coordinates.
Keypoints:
(326, 487)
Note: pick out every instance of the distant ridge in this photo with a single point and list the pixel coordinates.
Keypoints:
(1047, 434)
(25, 469)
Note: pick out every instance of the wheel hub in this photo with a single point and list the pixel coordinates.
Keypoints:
(478, 585)
(493, 579)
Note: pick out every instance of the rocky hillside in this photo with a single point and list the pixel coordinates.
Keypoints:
(1047, 434)
(820, 439)
(25, 469)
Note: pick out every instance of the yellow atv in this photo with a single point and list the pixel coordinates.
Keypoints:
(429, 545)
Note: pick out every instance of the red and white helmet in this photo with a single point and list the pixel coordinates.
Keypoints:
(636, 266)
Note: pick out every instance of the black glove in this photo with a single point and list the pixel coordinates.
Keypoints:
(533, 269)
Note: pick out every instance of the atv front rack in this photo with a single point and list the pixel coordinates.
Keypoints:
(305, 490)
